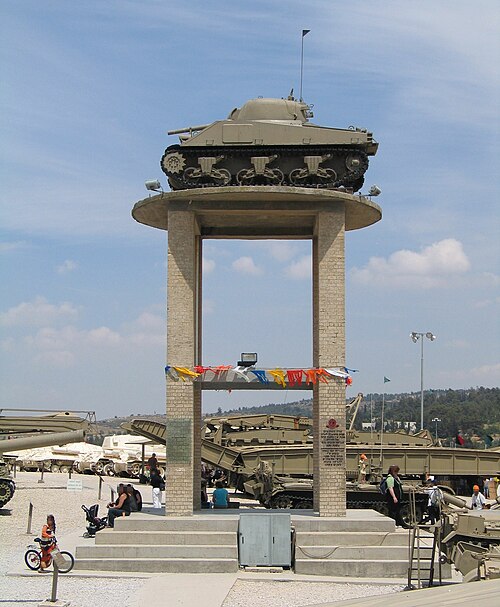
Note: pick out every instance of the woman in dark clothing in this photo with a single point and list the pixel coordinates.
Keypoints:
(119, 508)
(394, 495)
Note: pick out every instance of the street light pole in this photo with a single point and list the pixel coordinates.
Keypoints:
(415, 336)
(436, 420)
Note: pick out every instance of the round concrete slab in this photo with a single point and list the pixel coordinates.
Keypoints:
(256, 211)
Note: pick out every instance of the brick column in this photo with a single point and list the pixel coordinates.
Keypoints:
(183, 398)
(329, 351)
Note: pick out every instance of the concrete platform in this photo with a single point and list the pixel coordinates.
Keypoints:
(363, 544)
(256, 211)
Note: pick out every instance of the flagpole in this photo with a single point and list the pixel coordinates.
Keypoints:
(304, 33)
(382, 431)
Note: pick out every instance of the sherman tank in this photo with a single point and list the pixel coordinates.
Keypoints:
(278, 492)
(269, 142)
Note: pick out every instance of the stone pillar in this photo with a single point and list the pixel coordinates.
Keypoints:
(329, 351)
(183, 341)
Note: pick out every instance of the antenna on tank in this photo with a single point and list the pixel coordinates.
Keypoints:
(304, 33)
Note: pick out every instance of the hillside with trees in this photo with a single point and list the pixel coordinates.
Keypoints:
(474, 412)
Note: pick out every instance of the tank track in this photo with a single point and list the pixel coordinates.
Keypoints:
(352, 179)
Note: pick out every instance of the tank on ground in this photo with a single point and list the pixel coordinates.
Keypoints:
(122, 455)
(472, 543)
(269, 142)
(274, 491)
(7, 485)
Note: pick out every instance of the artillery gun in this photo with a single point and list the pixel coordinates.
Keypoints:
(268, 142)
(7, 485)
(47, 432)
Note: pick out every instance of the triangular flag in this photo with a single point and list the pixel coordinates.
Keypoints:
(386, 379)
(305, 32)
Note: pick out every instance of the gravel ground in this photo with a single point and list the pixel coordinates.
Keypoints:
(298, 594)
(51, 497)
(23, 588)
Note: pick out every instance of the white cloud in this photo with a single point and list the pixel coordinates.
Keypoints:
(246, 265)
(431, 267)
(208, 265)
(300, 269)
(281, 250)
(68, 265)
(485, 371)
(13, 246)
(37, 313)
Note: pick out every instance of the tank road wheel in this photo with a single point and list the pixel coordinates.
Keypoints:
(245, 177)
(303, 504)
(55, 468)
(282, 502)
(274, 177)
(6, 492)
(192, 176)
(221, 177)
(99, 467)
(135, 469)
(298, 177)
(109, 470)
(65, 469)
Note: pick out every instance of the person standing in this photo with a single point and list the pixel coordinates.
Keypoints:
(48, 542)
(434, 502)
(152, 463)
(394, 494)
(478, 499)
(157, 484)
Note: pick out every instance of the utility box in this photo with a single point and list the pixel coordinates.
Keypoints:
(265, 540)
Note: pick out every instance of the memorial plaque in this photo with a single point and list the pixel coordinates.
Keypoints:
(179, 441)
(332, 445)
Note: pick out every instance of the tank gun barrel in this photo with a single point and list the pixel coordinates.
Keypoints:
(41, 440)
(189, 129)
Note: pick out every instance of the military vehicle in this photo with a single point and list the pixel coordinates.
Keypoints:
(278, 492)
(269, 142)
(7, 485)
(47, 430)
(471, 541)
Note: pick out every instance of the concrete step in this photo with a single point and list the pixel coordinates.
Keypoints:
(351, 538)
(375, 522)
(159, 565)
(108, 537)
(167, 523)
(353, 567)
(127, 551)
(352, 552)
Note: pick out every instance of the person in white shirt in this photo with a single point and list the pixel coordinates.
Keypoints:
(478, 499)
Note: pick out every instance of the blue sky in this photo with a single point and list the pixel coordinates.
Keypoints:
(89, 90)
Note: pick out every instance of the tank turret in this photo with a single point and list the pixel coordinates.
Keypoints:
(268, 142)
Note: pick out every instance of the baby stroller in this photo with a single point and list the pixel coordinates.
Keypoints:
(95, 523)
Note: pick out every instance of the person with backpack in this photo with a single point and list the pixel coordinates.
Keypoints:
(434, 502)
(394, 494)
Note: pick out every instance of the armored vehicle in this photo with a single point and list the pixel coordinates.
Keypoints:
(7, 485)
(275, 491)
(471, 541)
(269, 142)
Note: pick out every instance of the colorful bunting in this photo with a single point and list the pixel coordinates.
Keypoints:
(279, 376)
(260, 375)
(294, 376)
(285, 378)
